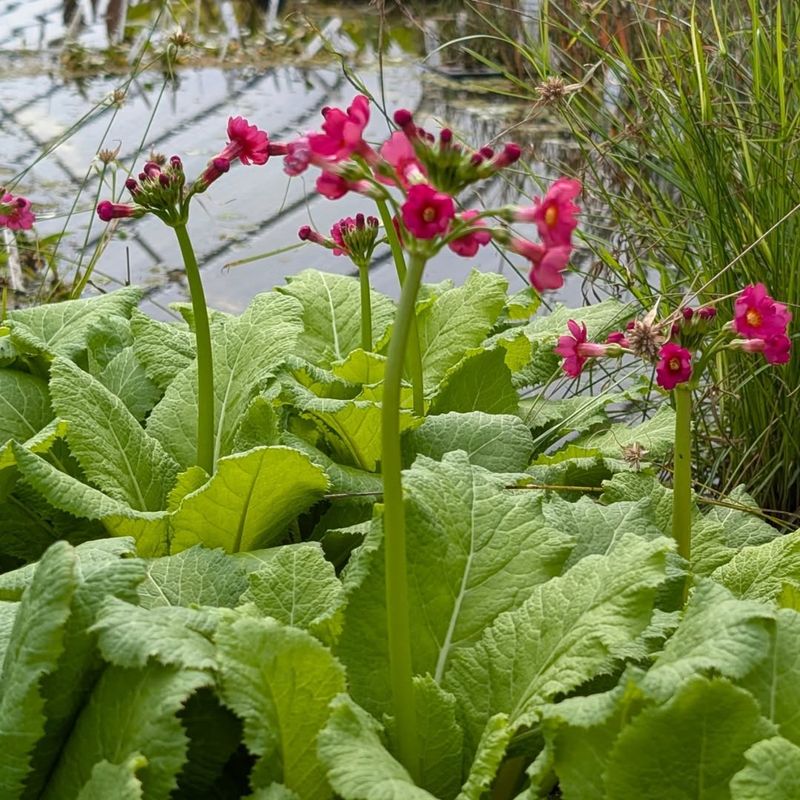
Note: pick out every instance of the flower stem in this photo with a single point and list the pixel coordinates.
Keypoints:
(366, 308)
(413, 356)
(397, 608)
(205, 366)
(682, 475)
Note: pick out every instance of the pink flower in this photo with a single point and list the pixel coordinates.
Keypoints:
(547, 263)
(216, 168)
(617, 337)
(245, 142)
(426, 212)
(107, 210)
(343, 131)
(575, 350)
(554, 215)
(15, 213)
(399, 153)
(298, 157)
(674, 366)
(468, 244)
(775, 348)
(757, 315)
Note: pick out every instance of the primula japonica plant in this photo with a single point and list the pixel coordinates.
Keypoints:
(163, 192)
(15, 212)
(682, 346)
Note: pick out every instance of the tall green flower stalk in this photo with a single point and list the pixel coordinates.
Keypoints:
(682, 474)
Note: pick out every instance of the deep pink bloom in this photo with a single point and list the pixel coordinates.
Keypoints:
(343, 131)
(398, 152)
(554, 214)
(618, 337)
(15, 213)
(298, 157)
(547, 263)
(575, 350)
(775, 348)
(216, 168)
(307, 234)
(427, 213)
(468, 244)
(245, 142)
(674, 366)
(757, 315)
(107, 210)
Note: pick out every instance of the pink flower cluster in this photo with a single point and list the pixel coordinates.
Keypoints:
(15, 212)
(763, 322)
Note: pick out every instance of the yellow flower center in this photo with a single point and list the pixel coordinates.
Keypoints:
(429, 214)
(674, 365)
(753, 318)
(551, 216)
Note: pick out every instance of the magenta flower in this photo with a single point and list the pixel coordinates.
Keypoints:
(15, 212)
(427, 213)
(468, 244)
(215, 168)
(246, 142)
(398, 152)
(759, 316)
(547, 263)
(335, 186)
(617, 337)
(107, 210)
(775, 348)
(554, 215)
(674, 366)
(342, 131)
(298, 157)
(575, 350)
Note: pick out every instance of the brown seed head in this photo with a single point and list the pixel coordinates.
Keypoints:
(645, 340)
(552, 90)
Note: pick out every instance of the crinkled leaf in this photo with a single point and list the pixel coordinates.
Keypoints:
(359, 765)
(461, 573)
(125, 377)
(107, 338)
(163, 349)
(772, 772)
(569, 630)
(497, 442)
(489, 754)
(702, 734)
(246, 350)
(332, 314)
(360, 367)
(565, 414)
(280, 681)
(24, 405)
(249, 501)
(115, 780)
(114, 451)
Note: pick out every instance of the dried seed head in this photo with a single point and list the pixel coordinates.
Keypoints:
(157, 158)
(634, 454)
(645, 340)
(552, 90)
(107, 156)
(180, 39)
(117, 97)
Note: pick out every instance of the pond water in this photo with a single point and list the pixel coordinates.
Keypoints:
(60, 62)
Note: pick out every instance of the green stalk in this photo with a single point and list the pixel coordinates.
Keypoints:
(413, 356)
(682, 475)
(205, 365)
(366, 308)
(394, 528)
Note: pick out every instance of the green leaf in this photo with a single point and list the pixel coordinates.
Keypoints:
(113, 450)
(457, 320)
(24, 405)
(8, 614)
(246, 350)
(128, 635)
(459, 577)
(125, 377)
(296, 586)
(772, 772)
(195, 577)
(163, 349)
(489, 754)
(497, 442)
(34, 647)
(280, 681)
(148, 701)
(360, 367)
(332, 314)
(760, 572)
(568, 631)
(718, 634)
(702, 733)
(63, 329)
(249, 502)
(359, 765)
(481, 381)
(257, 427)
(115, 780)
(565, 415)
(775, 681)
(106, 338)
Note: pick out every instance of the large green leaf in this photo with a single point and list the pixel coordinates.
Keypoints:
(568, 631)
(246, 350)
(107, 337)
(163, 349)
(460, 577)
(457, 320)
(115, 780)
(147, 700)
(63, 329)
(34, 648)
(249, 501)
(114, 451)
(497, 442)
(24, 405)
(359, 765)
(332, 314)
(488, 755)
(280, 681)
(690, 747)
(772, 772)
(125, 377)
